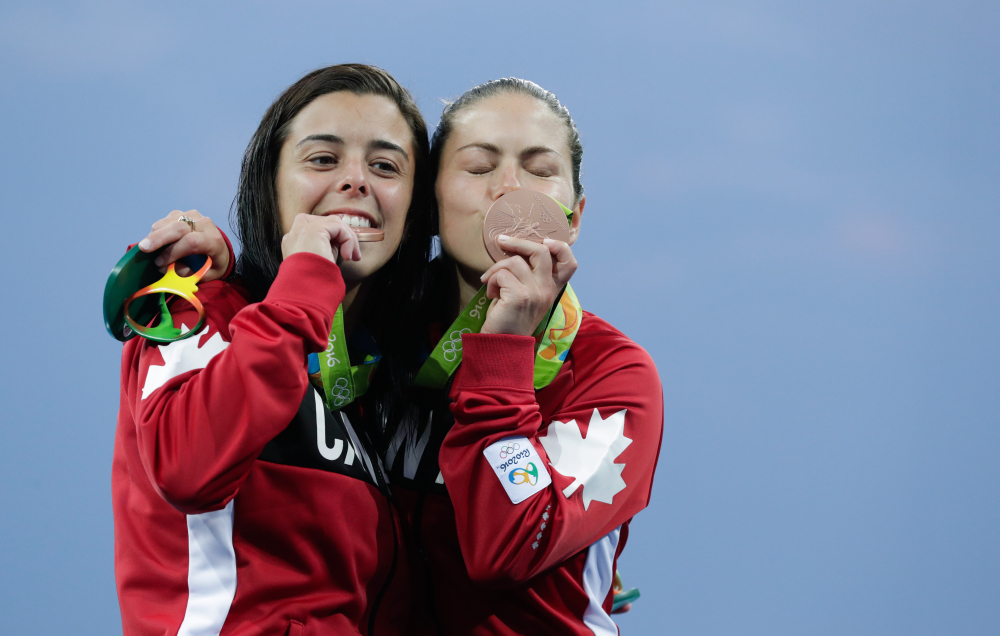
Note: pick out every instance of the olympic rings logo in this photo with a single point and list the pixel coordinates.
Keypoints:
(527, 475)
(340, 392)
(509, 450)
(453, 346)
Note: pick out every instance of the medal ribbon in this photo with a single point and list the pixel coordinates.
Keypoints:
(557, 337)
(447, 354)
(558, 330)
(343, 383)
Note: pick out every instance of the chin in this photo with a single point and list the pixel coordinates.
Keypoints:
(477, 263)
(355, 272)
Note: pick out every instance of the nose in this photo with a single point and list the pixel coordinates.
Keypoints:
(352, 179)
(507, 181)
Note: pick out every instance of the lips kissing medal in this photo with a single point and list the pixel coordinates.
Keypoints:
(524, 214)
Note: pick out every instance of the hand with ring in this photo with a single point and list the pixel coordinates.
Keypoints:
(183, 234)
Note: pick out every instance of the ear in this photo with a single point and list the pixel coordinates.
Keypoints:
(574, 227)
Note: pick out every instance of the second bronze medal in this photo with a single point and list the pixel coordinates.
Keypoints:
(523, 214)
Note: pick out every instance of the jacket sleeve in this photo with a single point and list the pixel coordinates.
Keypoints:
(206, 406)
(598, 444)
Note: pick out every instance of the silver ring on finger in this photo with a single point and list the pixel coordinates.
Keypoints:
(188, 220)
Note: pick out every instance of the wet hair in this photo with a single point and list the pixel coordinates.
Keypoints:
(506, 86)
(254, 215)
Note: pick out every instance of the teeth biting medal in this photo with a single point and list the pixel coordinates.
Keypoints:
(368, 234)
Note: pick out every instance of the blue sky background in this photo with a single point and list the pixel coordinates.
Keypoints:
(792, 205)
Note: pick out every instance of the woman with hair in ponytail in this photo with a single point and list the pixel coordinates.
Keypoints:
(520, 461)
(249, 497)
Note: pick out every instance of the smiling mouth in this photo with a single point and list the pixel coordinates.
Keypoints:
(355, 220)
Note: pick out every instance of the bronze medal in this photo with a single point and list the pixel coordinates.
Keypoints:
(523, 214)
(369, 234)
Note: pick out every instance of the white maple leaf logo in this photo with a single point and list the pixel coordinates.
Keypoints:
(590, 460)
(182, 356)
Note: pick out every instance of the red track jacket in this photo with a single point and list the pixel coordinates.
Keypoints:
(520, 505)
(242, 505)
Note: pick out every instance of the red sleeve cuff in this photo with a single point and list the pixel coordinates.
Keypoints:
(311, 279)
(497, 360)
(232, 255)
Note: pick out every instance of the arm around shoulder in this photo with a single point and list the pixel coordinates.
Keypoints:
(204, 407)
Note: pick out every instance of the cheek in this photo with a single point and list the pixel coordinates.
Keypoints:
(285, 203)
(561, 191)
(397, 199)
(459, 203)
(296, 193)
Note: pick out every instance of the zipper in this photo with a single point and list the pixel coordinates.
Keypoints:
(426, 474)
(418, 518)
(378, 473)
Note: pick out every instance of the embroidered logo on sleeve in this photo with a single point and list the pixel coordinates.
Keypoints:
(589, 460)
(517, 465)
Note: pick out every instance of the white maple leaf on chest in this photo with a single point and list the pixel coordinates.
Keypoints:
(180, 357)
(590, 460)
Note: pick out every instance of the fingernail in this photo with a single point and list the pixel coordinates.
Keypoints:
(144, 245)
(548, 241)
(159, 261)
(503, 237)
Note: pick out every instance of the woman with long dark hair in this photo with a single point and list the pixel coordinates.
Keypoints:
(248, 499)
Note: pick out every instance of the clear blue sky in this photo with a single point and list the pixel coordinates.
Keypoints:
(792, 205)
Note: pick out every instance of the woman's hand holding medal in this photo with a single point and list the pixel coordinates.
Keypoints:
(184, 234)
(523, 287)
(327, 236)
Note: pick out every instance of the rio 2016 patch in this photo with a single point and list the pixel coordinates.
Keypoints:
(518, 466)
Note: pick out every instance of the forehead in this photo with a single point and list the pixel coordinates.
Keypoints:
(510, 121)
(352, 117)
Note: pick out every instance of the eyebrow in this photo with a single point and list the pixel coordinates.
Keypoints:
(384, 144)
(525, 154)
(537, 150)
(483, 146)
(381, 144)
(333, 139)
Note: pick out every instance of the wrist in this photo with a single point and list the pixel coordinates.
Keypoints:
(497, 360)
(523, 327)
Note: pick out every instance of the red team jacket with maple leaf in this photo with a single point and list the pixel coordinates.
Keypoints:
(241, 504)
(519, 506)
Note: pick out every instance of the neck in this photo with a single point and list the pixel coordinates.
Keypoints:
(468, 285)
(354, 302)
